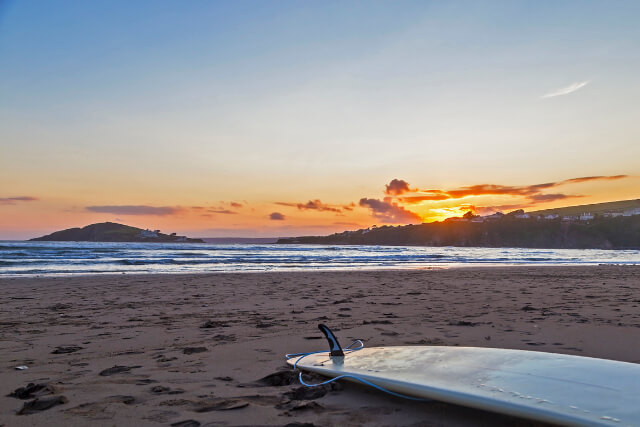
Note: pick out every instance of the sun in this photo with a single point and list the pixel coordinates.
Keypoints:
(442, 213)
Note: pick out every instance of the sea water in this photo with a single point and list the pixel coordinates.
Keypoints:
(18, 258)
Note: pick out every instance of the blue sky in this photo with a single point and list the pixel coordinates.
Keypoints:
(295, 101)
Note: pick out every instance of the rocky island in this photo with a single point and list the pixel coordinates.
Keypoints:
(113, 232)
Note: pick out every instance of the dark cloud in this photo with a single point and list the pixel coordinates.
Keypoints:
(236, 205)
(316, 205)
(135, 210)
(389, 213)
(14, 200)
(397, 187)
(276, 216)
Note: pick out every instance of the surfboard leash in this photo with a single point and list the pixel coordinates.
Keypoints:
(337, 351)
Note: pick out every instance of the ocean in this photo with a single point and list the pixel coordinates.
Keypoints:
(18, 258)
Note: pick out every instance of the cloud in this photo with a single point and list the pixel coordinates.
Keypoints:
(543, 198)
(276, 216)
(418, 199)
(528, 191)
(492, 189)
(594, 178)
(13, 200)
(135, 210)
(397, 187)
(566, 90)
(316, 205)
(389, 213)
(236, 205)
(530, 195)
(222, 211)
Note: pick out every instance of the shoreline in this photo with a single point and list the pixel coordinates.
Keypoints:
(194, 341)
(461, 266)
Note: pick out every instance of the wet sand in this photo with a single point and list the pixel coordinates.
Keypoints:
(165, 349)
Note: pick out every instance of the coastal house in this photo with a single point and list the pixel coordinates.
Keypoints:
(569, 218)
(552, 216)
(148, 234)
(523, 216)
(612, 214)
(586, 216)
(478, 219)
(631, 212)
(494, 217)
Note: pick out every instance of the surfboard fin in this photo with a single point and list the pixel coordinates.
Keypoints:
(334, 346)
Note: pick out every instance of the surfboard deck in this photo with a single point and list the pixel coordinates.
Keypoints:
(555, 388)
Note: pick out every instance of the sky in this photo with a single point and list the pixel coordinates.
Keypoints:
(286, 118)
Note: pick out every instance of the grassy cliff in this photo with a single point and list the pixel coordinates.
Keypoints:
(605, 233)
(595, 208)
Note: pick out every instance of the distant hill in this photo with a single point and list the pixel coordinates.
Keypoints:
(622, 232)
(596, 208)
(113, 232)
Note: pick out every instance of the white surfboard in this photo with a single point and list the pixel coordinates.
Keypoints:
(555, 388)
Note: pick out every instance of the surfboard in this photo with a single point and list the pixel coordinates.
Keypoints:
(554, 388)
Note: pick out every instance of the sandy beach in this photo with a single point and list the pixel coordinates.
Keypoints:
(195, 349)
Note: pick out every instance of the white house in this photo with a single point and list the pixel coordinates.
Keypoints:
(456, 219)
(495, 216)
(631, 212)
(587, 216)
(149, 234)
(551, 216)
(523, 216)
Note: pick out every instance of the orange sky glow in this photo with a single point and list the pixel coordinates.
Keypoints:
(397, 202)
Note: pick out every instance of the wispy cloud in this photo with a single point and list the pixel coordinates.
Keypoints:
(222, 211)
(317, 205)
(594, 178)
(566, 90)
(14, 200)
